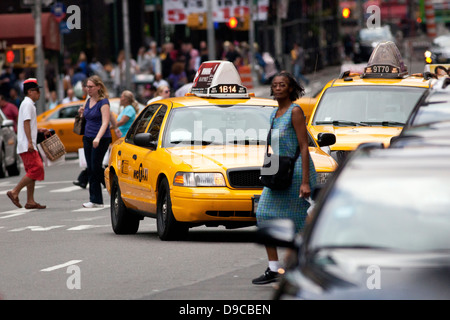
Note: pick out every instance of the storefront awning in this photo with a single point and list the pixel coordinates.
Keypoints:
(19, 29)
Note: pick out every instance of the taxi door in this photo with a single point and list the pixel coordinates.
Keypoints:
(62, 121)
(127, 162)
(146, 167)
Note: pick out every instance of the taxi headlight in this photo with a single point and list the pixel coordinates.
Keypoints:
(199, 179)
(427, 54)
(322, 177)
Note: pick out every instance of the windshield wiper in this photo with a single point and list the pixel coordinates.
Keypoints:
(342, 122)
(385, 123)
(248, 141)
(194, 142)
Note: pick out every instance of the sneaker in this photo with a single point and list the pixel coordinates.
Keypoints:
(92, 205)
(268, 277)
(80, 184)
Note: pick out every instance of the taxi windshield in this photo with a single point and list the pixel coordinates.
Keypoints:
(367, 105)
(217, 125)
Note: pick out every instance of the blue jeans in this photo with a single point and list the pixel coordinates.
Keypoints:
(298, 74)
(94, 159)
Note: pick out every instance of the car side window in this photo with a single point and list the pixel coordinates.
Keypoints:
(155, 126)
(140, 124)
(69, 112)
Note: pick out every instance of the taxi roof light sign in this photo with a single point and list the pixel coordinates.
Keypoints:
(385, 62)
(218, 79)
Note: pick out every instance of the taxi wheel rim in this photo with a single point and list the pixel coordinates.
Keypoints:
(164, 210)
(116, 203)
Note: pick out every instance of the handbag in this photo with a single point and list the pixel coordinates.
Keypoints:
(79, 124)
(277, 171)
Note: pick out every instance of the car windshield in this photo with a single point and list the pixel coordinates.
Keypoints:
(375, 34)
(442, 41)
(436, 109)
(217, 125)
(394, 209)
(367, 105)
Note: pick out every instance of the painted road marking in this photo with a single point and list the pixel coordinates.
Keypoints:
(63, 265)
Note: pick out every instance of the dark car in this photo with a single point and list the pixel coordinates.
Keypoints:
(9, 159)
(368, 39)
(439, 52)
(434, 105)
(429, 121)
(432, 134)
(380, 229)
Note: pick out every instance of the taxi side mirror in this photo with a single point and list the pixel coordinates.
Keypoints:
(326, 139)
(145, 140)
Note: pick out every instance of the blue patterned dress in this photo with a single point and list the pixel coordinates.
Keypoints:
(286, 203)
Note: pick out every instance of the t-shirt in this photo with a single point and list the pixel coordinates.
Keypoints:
(93, 118)
(130, 113)
(27, 111)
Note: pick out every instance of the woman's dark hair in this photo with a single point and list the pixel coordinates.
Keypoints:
(297, 92)
(440, 67)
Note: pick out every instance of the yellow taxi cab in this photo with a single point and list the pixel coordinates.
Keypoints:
(62, 117)
(307, 103)
(195, 160)
(368, 107)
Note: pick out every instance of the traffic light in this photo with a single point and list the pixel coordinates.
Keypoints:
(346, 13)
(14, 56)
(197, 21)
(239, 23)
(21, 55)
(232, 23)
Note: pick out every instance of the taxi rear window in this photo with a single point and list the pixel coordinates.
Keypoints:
(366, 105)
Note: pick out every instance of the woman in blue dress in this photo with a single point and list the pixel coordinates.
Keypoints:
(127, 115)
(288, 133)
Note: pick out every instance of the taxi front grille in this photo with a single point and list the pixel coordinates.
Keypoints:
(230, 213)
(244, 178)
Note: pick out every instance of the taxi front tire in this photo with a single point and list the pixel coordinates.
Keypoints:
(123, 222)
(167, 226)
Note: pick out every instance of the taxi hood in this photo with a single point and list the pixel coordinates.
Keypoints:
(349, 138)
(219, 156)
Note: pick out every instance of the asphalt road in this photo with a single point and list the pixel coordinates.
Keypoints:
(69, 252)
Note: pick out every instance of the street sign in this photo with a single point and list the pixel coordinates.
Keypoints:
(63, 28)
(59, 11)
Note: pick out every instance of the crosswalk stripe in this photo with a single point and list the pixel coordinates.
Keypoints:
(91, 209)
(68, 189)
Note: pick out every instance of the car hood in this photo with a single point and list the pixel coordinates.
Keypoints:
(348, 138)
(361, 274)
(229, 156)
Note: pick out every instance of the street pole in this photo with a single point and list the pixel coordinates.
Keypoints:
(40, 70)
(126, 44)
(251, 40)
(211, 32)
(278, 40)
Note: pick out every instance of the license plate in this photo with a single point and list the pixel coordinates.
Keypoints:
(255, 200)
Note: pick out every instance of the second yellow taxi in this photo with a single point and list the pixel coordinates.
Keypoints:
(368, 108)
(196, 160)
